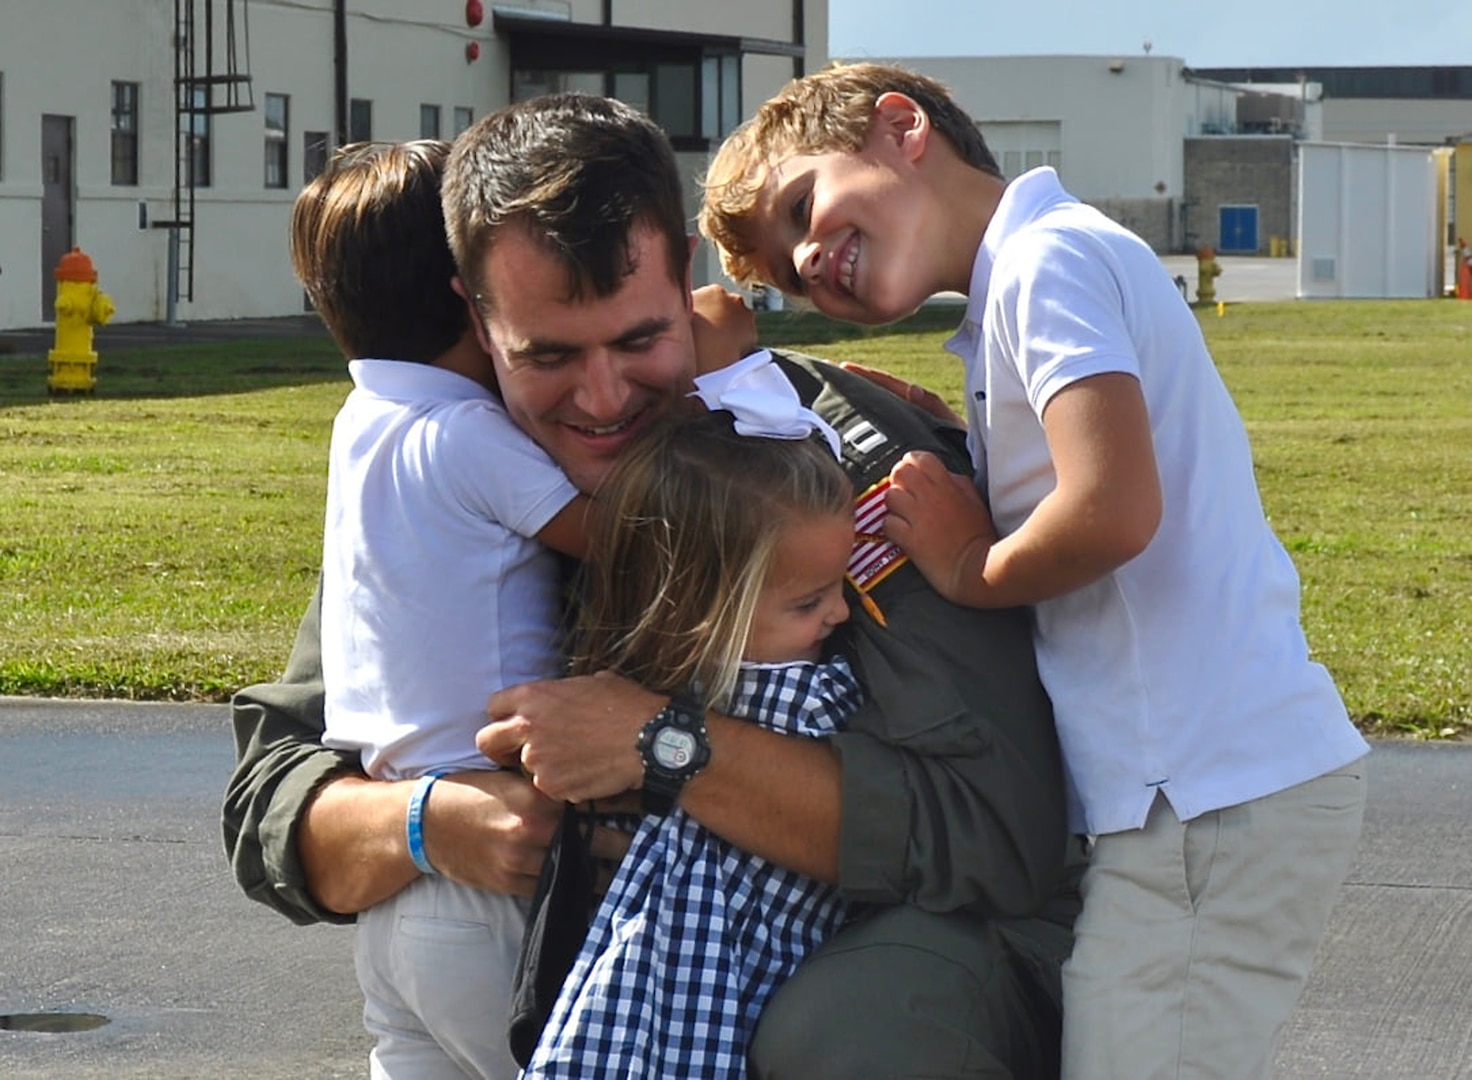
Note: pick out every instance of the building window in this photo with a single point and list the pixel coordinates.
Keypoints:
(463, 118)
(360, 120)
(278, 115)
(314, 155)
(125, 134)
(694, 100)
(429, 121)
(673, 107)
(197, 162)
(720, 95)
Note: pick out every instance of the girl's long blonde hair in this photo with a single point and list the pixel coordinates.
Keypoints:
(683, 533)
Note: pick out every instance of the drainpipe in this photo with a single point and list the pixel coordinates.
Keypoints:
(340, 68)
(799, 37)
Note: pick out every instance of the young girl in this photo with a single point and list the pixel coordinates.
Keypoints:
(721, 573)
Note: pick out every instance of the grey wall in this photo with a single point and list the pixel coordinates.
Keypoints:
(1250, 170)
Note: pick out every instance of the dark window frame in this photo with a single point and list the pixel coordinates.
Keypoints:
(316, 147)
(124, 133)
(277, 142)
(360, 120)
(199, 161)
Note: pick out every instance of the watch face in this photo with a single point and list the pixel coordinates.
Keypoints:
(672, 748)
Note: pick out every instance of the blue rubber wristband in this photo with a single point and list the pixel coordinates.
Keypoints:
(414, 823)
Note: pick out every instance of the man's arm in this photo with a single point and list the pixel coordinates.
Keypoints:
(772, 795)
(945, 792)
(280, 765)
(310, 836)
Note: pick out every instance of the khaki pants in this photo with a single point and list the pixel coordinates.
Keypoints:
(435, 963)
(1196, 938)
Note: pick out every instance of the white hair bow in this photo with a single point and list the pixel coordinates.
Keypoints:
(762, 400)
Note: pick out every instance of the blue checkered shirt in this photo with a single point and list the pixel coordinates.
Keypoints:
(695, 934)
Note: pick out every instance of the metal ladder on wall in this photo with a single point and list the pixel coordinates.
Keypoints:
(211, 77)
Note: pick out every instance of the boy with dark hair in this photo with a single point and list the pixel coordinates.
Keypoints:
(1113, 490)
(435, 588)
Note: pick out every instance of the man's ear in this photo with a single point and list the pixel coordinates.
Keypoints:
(901, 121)
(472, 312)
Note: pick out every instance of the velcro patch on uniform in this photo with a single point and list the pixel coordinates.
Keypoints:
(874, 557)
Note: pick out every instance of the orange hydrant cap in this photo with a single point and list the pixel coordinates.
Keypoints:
(76, 265)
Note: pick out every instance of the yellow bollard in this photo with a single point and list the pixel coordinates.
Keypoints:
(1221, 308)
(80, 305)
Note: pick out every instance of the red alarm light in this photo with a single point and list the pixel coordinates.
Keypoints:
(472, 51)
(474, 12)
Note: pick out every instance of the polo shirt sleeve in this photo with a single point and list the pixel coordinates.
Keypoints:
(1061, 298)
(497, 471)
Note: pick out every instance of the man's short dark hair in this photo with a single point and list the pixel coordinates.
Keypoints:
(576, 172)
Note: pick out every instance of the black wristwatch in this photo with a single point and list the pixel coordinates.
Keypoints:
(674, 747)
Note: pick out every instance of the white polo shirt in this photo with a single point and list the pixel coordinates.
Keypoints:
(433, 592)
(1185, 670)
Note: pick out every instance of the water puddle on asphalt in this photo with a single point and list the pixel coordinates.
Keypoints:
(51, 1023)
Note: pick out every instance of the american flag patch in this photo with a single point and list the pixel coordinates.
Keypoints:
(874, 558)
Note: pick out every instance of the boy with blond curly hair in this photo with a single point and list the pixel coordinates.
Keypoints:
(1211, 759)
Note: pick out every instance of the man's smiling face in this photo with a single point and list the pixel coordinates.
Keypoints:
(584, 376)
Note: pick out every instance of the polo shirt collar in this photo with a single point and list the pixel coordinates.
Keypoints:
(399, 380)
(1024, 199)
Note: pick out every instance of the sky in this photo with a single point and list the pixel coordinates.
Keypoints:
(1219, 33)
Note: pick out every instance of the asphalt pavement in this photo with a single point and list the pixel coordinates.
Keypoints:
(118, 903)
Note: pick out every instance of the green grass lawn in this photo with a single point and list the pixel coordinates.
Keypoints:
(161, 537)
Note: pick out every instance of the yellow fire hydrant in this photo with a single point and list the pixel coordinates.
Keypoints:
(80, 305)
(1207, 271)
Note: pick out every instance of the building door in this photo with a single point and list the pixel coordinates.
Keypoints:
(58, 204)
(1238, 230)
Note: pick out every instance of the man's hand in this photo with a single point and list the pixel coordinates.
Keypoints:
(482, 828)
(573, 738)
(489, 830)
(724, 328)
(942, 524)
(914, 393)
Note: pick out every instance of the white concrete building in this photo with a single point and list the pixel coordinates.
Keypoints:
(96, 150)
